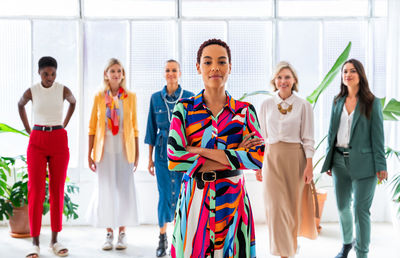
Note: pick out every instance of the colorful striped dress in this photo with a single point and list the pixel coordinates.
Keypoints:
(215, 221)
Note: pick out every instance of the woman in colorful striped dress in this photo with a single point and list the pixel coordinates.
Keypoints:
(212, 138)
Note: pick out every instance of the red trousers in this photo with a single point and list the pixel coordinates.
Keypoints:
(46, 148)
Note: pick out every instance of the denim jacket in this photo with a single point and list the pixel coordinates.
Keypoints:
(158, 122)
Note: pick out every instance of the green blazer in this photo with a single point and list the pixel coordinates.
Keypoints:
(366, 145)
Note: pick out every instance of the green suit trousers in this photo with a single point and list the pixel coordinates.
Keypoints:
(362, 190)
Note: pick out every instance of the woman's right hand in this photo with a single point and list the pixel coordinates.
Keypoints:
(151, 167)
(329, 172)
(92, 164)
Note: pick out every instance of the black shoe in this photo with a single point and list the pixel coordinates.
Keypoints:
(345, 251)
(162, 245)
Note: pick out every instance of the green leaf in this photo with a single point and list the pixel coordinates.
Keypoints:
(330, 76)
(320, 142)
(245, 95)
(390, 152)
(389, 117)
(4, 165)
(319, 160)
(46, 208)
(392, 110)
(8, 129)
(395, 183)
(383, 100)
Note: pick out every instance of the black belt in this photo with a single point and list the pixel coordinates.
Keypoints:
(47, 128)
(211, 176)
(344, 151)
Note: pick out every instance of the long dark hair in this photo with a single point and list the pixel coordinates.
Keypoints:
(365, 96)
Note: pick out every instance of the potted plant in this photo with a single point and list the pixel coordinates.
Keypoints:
(14, 192)
(13, 195)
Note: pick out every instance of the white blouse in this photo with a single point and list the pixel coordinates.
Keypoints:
(296, 126)
(343, 134)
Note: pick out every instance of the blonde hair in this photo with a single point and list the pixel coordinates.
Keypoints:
(111, 62)
(278, 68)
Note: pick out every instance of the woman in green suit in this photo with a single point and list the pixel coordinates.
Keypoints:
(355, 155)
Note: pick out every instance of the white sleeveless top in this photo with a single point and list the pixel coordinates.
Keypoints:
(47, 104)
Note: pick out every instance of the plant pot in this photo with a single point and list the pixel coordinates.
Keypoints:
(321, 197)
(19, 222)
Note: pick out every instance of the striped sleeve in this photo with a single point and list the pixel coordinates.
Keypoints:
(251, 158)
(178, 158)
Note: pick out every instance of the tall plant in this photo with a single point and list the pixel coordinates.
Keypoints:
(330, 76)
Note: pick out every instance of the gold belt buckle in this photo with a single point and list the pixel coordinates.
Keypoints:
(212, 173)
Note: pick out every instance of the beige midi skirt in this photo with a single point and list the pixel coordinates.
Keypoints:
(288, 200)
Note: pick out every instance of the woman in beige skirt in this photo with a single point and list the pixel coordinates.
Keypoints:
(286, 122)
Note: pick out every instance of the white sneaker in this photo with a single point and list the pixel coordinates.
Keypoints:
(108, 245)
(121, 244)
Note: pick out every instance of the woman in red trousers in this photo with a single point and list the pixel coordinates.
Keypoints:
(48, 146)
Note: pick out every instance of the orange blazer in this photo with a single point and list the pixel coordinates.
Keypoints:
(97, 125)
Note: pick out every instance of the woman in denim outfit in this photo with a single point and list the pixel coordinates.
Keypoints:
(158, 123)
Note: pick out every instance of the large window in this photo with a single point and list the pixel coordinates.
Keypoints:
(83, 35)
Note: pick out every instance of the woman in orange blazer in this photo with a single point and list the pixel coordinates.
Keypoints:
(114, 155)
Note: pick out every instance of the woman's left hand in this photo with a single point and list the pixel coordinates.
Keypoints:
(259, 176)
(193, 149)
(382, 175)
(135, 164)
(308, 174)
(249, 142)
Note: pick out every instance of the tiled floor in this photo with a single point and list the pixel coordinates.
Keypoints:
(86, 241)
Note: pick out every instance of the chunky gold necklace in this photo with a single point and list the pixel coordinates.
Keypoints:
(284, 111)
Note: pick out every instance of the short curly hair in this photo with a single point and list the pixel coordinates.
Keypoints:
(213, 42)
(47, 61)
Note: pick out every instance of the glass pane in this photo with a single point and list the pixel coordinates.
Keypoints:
(381, 8)
(129, 8)
(153, 43)
(302, 52)
(378, 85)
(337, 35)
(335, 39)
(251, 59)
(194, 33)
(304, 8)
(15, 79)
(227, 8)
(39, 7)
(103, 40)
(59, 39)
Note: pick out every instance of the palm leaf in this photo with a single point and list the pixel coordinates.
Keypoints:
(8, 129)
(395, 183)
(330, 76)
(392, 110)
(391, 152)
(245, 95)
